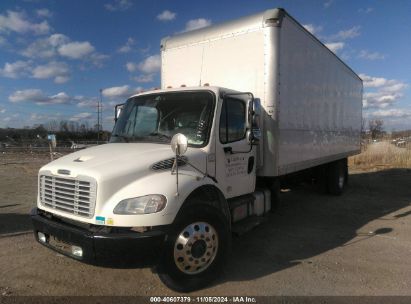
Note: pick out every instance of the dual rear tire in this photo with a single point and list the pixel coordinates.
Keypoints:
(336, 176)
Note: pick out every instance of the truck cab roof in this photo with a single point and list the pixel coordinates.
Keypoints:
(218, 91)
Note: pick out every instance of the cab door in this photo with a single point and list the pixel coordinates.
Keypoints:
(235, 156)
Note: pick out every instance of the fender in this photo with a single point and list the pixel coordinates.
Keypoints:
(208, 195)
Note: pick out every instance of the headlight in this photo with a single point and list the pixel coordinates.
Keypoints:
(141, 205)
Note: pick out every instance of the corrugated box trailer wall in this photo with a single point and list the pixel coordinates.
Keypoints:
(311, 100)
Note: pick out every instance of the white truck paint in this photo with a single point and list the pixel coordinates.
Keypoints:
(311, 99)
(222, 87)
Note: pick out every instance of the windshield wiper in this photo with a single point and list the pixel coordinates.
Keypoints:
(120, 136)
(161, 135)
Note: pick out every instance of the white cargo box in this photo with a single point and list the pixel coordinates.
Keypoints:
(311, 100)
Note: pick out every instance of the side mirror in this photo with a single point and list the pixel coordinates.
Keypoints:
(254, 132)
(179, 144)
(117, 110)
(253, 136)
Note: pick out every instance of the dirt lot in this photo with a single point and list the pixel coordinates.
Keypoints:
(356, 244)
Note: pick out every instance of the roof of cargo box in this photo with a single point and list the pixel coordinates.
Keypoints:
(271, 17)
(241, 25)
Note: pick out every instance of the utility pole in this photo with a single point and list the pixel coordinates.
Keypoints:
(99, 102)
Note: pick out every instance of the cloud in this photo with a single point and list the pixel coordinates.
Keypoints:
(388, 84)
(57, 70)
(82, 101)
(144, 78)
(61, 45)
(76, 50)
(382, 92)
(126, 48)
(120, 92)
(2, 110)
(16, 69)
(366, 10)
(166, 16)
(81, 116)
(118, 5)
(45, 47)
(196, 24)
(313, 29)
(131, 66)
(38, 97)
(36, 117)
(97, 59)
(391, 113)
(150, 65)
(335, 46)
(17, 22)
(373, 82)
(370, 55)
(328, 3)
(337, 42)
(3, 41)
(61, 79)
(44, 12)
(347, 34)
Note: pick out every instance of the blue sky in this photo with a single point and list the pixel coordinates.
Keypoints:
(56, 55)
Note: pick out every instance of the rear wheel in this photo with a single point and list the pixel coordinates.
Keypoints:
(275, 189)
(195, 250)
(337, 177)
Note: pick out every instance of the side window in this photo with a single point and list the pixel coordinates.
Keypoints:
(232, 121)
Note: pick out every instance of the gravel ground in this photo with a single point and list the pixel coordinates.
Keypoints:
(356, 244)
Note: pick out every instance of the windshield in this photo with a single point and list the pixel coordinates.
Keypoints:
(157, 117)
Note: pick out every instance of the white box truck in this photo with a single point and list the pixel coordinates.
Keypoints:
(242, 106)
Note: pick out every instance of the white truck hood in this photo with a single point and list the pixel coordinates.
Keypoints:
(111, 159)
(116, 165)
(123, 170)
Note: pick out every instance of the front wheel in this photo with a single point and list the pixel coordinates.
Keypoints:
(195, 249)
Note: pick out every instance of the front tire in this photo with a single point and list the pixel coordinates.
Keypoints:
(195, 250)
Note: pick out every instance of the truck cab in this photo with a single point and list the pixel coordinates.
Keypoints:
(139, 195)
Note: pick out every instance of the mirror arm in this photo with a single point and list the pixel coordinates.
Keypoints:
(176, 167)
(203, 173)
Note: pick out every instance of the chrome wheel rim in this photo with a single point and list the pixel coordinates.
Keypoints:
(196, 248)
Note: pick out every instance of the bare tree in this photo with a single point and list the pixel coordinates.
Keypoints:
(64, 125)
(376, 128)
(53, 126)
(363, 126)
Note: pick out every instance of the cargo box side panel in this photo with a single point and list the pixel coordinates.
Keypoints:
(320, 103)
(234, 61)
(181, 66)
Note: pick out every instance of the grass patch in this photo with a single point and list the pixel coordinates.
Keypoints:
(381, 155)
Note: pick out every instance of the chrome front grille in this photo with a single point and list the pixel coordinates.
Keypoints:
(72, 195)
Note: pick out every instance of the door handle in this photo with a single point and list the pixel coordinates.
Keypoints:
(228, 150)
(250, 164)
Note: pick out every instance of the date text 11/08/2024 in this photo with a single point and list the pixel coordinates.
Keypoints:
(186, 299)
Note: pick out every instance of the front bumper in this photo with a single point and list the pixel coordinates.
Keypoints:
(108, 245)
